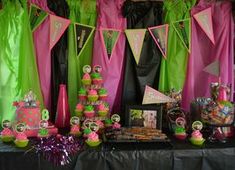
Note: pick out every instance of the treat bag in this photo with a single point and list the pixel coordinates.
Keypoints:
(177, 55)
(200, 57)
(108, 52)
(18, 69)
(141, 15)
(83, 12)
(43, 52)
(62, 114)
(58, 55)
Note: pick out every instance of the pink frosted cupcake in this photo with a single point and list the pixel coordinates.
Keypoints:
(86, 79)
(103, 94)
(93, 139)
(86, 132)
(75, 130)
(21, 140)
(89, 111)
(79, 110)
(92, 95)
(102, 110)
(96, 78)
(116, 125)
(7, 135)
(196, 138)
(82, 94)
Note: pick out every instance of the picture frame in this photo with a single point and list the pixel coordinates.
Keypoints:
(149, 116)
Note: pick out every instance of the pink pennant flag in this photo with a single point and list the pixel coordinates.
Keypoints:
(160, 36)
(57, 27)
(204, 19)
(152, 96)
(213, 68)
(135, 38)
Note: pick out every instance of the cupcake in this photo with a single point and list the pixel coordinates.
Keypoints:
(82, 95)
(96, 78)
(93, 139)
(89, 111)
(180, 133)
(196, 138)
(86, 132)
(21, 140)
(101, 126)
(7, 135)
(79, 110)
(108, 122)
(92, 95)
(103, 94)
(116, 125)
(102, 110)
(86, 79)
(75, 130)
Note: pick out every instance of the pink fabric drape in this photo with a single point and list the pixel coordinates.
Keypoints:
(203, 52)
(43, 53)
(110, 16)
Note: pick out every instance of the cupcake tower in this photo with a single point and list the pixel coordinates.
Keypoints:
(92, 95)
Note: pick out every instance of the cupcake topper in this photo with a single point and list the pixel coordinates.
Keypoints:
(20, 127)
(86, 69)
(180, 121)
(94, 126)
(45, 114)
(43, 124)
(30, 99)
(86, 123)
(97, 69)
(115, 118)
(6, 123)
(197, 125)
(74, 120)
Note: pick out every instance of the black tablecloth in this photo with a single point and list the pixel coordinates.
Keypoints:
(174, 156)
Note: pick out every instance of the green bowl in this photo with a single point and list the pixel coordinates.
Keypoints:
(197, 142)
(7, 138)
(21, 144)
(93, 144)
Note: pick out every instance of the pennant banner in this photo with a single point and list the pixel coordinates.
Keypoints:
(36, 16)
(135, 38)
(213, 68)
(160, 36)
(109, 39)
(152, 96)
(204, 19)
(57, 27)
(183, 30)
(83, 34)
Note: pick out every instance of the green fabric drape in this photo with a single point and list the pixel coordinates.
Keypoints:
(83, 12)
(18, 69)
(173, 69)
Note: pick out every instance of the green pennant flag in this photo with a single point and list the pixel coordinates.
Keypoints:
(183, 30)
(36, 16)
(109, 39)
(82, 35)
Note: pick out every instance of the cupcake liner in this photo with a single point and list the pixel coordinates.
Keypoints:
(86, 81)
(97, 81)
(103, 113)
(103, 97)
(93, 143)
(82, 97)
(78, 113)
(93, 98)
(7, 138)
(89, 114)
(21, 143)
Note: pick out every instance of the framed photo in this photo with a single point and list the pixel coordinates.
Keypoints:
(149, 116)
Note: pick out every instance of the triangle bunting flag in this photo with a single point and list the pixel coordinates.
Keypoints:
(160, 36)
(152, 96)
(135, 38)
(109, 39)
(83, 34)
(183, 30)
(213, 68)
(58, 25)
(36, 16)
(204, 19)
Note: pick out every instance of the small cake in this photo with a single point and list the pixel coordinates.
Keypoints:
(86, 79)
(86, 132)
(196, 138)
(7, 135)
(89, 111)
(96, 79)
(108, 123)
(116, 125)
(21, 140)
(102, 110)
(180, 133)
(79, 110)
(82, 94)
(93, 139)
(75, 130)
(103, 94)
(92, 95)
